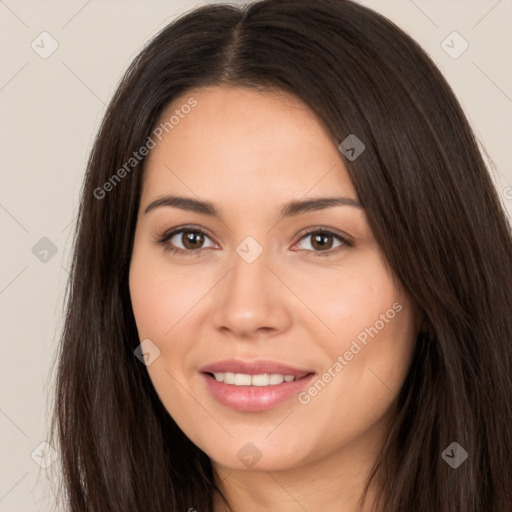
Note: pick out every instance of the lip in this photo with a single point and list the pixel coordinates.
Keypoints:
(254, 398)
(253, 367)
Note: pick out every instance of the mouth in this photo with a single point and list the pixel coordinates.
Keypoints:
(254, 386)
(252, 368)
(258, 380)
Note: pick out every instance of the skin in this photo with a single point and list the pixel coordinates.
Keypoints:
(249, 152)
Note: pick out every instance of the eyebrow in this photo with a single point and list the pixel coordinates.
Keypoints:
(290, 209)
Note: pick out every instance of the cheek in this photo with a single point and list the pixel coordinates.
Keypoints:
(166, 303)
(162, 305)
(160, 296)
(371, 336)
(346, 299)
(153, 307)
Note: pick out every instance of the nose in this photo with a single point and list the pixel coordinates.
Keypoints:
(251, 300)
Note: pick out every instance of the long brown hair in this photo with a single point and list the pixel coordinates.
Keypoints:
(432, 208)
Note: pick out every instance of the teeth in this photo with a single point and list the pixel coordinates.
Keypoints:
(229, 378)
(260, 380)
(275, 378)
(242, 379)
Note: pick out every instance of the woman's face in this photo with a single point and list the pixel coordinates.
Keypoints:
(302, 290)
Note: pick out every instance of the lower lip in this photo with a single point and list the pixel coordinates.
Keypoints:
(254, 398)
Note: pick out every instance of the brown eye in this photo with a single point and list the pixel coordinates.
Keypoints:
(323, 242)
(186, 241)
(192, 239)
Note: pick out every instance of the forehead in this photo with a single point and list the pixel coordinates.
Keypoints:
(244, 140)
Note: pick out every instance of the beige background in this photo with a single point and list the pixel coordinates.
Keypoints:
(50, 111)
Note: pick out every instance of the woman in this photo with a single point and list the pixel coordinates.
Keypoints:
(292, 279)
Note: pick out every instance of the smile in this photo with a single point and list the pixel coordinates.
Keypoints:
(264, 379)
(254, 393)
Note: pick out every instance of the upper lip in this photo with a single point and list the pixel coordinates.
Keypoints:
(253, 367)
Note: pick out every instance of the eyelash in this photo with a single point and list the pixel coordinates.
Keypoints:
(167, 235)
